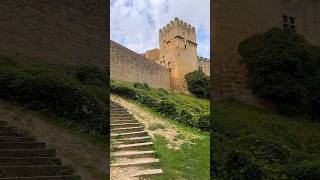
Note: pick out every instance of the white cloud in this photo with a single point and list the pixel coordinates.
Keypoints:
(136, 23)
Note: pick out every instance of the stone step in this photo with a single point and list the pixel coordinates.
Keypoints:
(134, 154)
(123, 121)
(16, 139)
(3, 123)
(29, 171)
(129, 135)
(63, 177)
(148, 172)
(11, 133)
(118, 109)
(28, 161)
(136, 162)
(132, 140)
(122, 125)
(6, 128)
(22, 145)
(134, 147)
(121, 116)
(27, 153)
(127, 130)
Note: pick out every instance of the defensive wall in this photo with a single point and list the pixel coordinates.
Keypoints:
(127, 65)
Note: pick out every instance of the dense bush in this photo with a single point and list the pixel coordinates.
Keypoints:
(198, 84)
(161, 101)
(167, 107)
(277, 146)
(144, 86)
(56, 93)
(284, 68)
(91, 75)
(304, 171)
(238, 166)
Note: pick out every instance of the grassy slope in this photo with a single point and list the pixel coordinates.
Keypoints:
(192, 161)
(237, 121)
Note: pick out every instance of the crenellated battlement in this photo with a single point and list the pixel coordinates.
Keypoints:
(177, 23)
(203, 58)
(178, 27)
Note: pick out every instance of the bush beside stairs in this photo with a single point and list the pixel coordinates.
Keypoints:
(23, 158)
(132, 147)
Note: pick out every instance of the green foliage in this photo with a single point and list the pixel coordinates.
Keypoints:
(304, 171)
(57, 93)
(284, 68)
(198, 84)
(182, 108)
(91, 75)
(238, 166)
(143, 86)
(167, 107)
(122, 90)
(263, 144)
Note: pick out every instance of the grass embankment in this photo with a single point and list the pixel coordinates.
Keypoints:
(192, 159)
(76, 94)
(187, 110)
(251, 143)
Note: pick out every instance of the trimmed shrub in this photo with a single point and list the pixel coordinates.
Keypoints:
(146, 99)
(161, 101)
(55, 93)
(91, 75)
(198, 84)
(187, 118)
(238, 166)
(143, 86)
(122, 90)
(203, 121)
(309, 171)
(167, 107)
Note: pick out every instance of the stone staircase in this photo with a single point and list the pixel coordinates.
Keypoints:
(23, 158)
(133, 150)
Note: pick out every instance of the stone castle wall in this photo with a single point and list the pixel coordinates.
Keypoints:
(236, 20)
(127, 65)
(55, 30)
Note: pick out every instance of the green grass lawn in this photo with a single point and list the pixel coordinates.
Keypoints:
(192, 161)
(281, 147)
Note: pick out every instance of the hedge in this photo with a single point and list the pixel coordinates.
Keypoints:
(56, 93)
(158, 100)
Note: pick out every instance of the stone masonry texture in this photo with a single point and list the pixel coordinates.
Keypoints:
(58, 31)
(127, 65)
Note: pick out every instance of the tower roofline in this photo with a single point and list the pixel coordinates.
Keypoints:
(178, 22)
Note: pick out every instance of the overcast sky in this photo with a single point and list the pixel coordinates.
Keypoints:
(135, 23)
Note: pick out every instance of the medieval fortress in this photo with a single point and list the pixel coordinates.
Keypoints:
(165, 66)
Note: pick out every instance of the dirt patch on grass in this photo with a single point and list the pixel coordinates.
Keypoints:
(155, 125)
(88, 158)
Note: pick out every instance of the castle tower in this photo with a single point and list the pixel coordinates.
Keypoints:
(178, 51)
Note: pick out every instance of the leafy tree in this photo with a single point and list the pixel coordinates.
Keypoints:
(284, 68)
(198, 84)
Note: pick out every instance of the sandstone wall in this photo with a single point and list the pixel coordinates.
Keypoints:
(60, 31)
(127, 65)
(236, 20)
